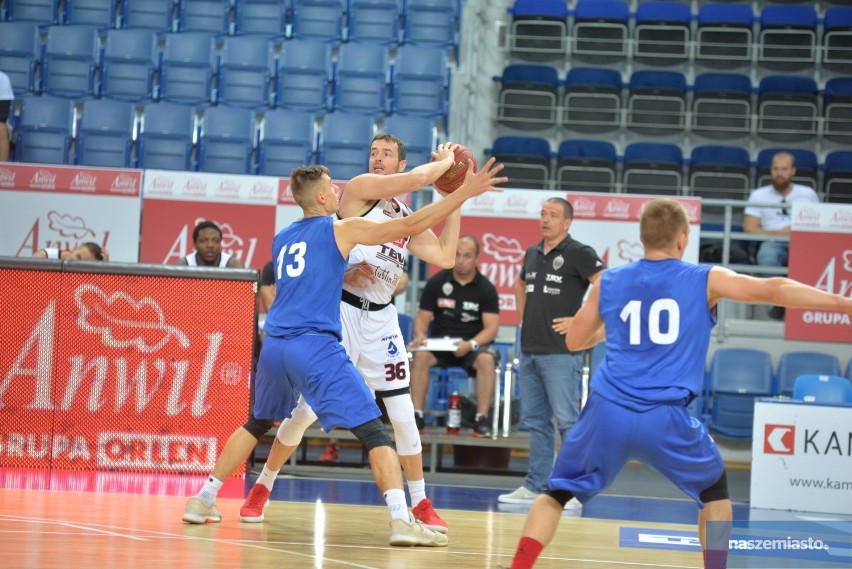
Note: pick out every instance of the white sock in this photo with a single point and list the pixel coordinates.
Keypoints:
(395, 499)
(267, 477)
(209, 490)
(417, 489)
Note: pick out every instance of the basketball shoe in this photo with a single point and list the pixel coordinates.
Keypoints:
(251, 511)
(197, 512)
(331, 453)
(405, 533)
(424, 514)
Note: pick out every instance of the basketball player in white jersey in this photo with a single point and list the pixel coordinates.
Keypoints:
(87, 251)
(371, 333)
(207, 239)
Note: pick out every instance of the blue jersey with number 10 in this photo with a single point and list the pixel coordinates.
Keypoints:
(657, 332)
(308, 277)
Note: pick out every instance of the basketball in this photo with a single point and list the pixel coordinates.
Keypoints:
(453, 178)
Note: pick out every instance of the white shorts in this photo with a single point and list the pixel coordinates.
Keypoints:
(374, 343)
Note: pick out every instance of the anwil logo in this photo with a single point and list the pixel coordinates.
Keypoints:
(162, 185)
(584, 207)
(195, 187)
(7, 178)
(124, 184)
(228, 189)
(84, 181)
(43, 179)
(617, 208)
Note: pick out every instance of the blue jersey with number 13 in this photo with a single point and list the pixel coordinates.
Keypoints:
(657, 332)
(308, 277)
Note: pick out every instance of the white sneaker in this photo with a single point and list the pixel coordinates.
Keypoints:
(520, 496)
(573, 504)
(415, 533)
(197, 512)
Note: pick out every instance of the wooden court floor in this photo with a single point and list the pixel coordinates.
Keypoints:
(41, 529)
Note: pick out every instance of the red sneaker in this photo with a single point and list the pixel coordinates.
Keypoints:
(252, 509)
(331, 454)
(424, 513)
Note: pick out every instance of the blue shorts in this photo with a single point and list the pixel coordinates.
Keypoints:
(607, 435)
(317, 366)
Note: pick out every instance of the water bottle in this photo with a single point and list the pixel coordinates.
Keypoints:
(454, 414)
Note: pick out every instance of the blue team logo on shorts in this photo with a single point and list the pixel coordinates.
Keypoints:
(393, 351)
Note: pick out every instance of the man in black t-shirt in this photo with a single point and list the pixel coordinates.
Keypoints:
(460, 303)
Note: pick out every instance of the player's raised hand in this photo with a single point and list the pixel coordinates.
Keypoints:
(484, 180)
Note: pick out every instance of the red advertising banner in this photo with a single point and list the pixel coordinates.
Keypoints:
(61, 206)
(122, 372)
(821, 256)
(242, 206)
(507, 224)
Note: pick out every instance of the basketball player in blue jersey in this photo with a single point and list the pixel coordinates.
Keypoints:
(302, 347)
(656, 315)
(370, 325)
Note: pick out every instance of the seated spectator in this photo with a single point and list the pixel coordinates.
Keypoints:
(7, 95)
(464, 304)
(207, 238)
(776, 221)
(87, 251)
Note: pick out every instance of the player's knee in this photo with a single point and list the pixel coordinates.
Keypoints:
(561, 496)
(258, 427)
(291, 430)
(372, 434)
(718, 491)
(401, 413)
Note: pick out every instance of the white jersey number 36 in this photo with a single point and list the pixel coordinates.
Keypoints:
(632, 314)
(297, 250)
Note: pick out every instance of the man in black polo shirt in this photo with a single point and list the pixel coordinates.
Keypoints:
(464, 304)
(556, 274)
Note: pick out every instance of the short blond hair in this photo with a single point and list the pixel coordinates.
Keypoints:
(662, 221)
(303, 182)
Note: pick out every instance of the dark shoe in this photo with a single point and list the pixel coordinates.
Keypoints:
(482, 427)
(418, 420)
(777, 312)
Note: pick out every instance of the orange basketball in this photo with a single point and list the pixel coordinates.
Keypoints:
(453, 178)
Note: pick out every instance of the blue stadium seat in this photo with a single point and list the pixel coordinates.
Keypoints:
(653, 168)
(420, 81)
(406, 326)
(166, 136)
(600, 30)
(42, 11)
(838, 177)
(719, 172)
(586, 166)
(592, 101)
(526, 160)
(837, 109)
(304, 71)
(787, 37)
(822, 389)
(793, 364)
(100, 13)
(128, 67)
(186, 67)
(246, 67)
(528, 97)
(787, 107)
(69, 61)
(261, 17)
(19, 53)
(737, 377)
(418, 133)
(375, 21)
(724, 35)
(806, 166)
(721, 105)
(44, 130)
(849, 370)
(227, 140)
(213, 16)
(361, 78)
(317, 19)
(837, 38)
(434, 22)
(344, 145)
(661, 33)
(287, 140)
(150, 14)
(539, 29)
(105, 134)
(656, 102)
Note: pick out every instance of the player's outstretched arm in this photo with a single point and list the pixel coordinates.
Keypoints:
(355, 230)
(781, 291)
(586, 328)
(370, 187)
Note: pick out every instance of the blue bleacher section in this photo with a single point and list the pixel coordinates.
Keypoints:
(736, 378)
(227, 140)
(44, 130)
(287, 140)
(105, 134)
